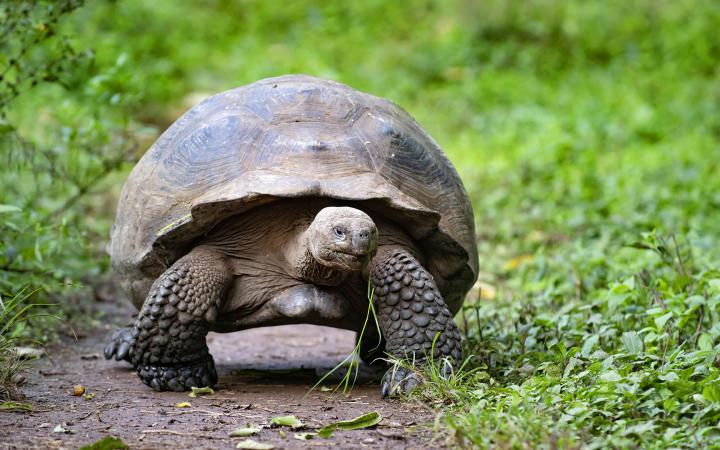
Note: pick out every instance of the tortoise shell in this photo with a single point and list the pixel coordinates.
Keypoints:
(292, 137)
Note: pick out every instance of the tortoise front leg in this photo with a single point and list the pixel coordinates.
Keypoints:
(168, 348)
(414, 319)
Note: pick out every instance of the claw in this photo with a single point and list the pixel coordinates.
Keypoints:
(120, 344)
(109, 350)
(122, 351)
(399, 380)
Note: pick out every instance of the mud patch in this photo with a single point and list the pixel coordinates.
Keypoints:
(263, 373)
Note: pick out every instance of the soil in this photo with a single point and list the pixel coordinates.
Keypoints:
(264, 373)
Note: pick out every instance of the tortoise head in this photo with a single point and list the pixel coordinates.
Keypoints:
(342, 238)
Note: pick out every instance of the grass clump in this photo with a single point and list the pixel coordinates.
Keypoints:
(14, 311)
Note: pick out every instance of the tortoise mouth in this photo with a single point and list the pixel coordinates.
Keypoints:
(345, 260)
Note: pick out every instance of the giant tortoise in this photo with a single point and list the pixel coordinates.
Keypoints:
(279, 203)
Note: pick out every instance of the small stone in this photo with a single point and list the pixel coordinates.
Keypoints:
(429, 295)
(410, 332)
(164, 291)
(417, 307)
(418, 284)
(167, 283)
(174, 276)
(410, 267)
(395, 315)
(431, 310)
(395, 286)
(173, 299)
(399, 275)
(182, 306)
(175, 288)
(406, 314)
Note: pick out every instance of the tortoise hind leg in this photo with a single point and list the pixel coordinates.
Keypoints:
(169, 351)
(414, 319)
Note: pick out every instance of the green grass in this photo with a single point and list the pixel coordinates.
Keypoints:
(14, 311)
(587, 134)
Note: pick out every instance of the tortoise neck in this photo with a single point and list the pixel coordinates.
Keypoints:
(308, 269)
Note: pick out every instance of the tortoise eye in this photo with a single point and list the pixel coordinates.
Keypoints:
(339, 232)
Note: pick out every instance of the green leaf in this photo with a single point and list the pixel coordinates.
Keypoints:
(662, 320)
(9, 209)
(589, 344)
(714, 285)
(286, 421)
(244, 432)
(711, 392)
(107, 443)
(610, 376)
(249, 444)
(207, 390)
(366, 420)
(705, 342)
(632, 342)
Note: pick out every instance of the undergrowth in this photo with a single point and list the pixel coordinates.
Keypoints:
(13, 311)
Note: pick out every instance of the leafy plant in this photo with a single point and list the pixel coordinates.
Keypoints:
(57, 148)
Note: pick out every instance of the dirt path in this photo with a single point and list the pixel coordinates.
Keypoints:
(263, 373)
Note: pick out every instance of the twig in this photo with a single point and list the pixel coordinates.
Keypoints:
(679, 258)
(180, 433)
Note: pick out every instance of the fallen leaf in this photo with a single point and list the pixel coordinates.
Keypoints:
(107, 443)
(78, 390)
(207, 390)
(244, 432)
(286, 421)
(29, 352)
(249, 444)
(60, 429)
(304, 436)
(89, 356)
(89, 396)
(281, 433)
(366, 420)
(15, 406)
(183, 405)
